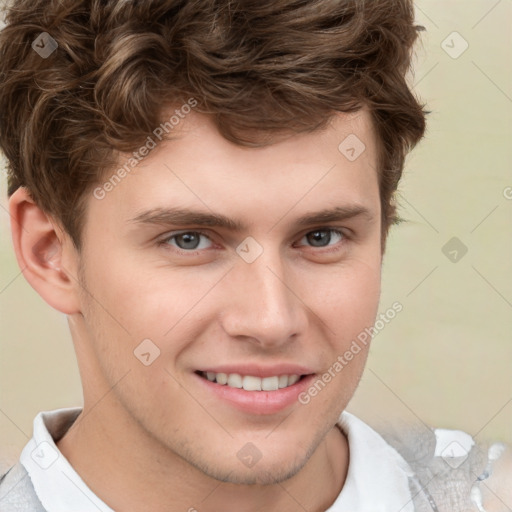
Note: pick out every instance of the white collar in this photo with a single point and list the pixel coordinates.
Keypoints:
(377, 478)
(56, 483)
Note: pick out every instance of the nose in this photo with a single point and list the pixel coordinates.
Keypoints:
(264, 303)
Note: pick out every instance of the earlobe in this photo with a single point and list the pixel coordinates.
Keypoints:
(44, 252)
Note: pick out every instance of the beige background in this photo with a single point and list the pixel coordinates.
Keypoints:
(446, 359)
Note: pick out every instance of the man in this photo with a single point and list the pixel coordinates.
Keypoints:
(205, 190)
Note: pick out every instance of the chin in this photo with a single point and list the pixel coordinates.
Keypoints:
(263, 472)
(263, 475)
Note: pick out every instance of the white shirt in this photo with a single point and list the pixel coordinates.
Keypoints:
(377, 478)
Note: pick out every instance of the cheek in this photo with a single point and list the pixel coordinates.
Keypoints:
(130, 303)
(347, 310)
(346, 297)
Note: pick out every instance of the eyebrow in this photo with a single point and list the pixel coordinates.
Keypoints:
(186, 217)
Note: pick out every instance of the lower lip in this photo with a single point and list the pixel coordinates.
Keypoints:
(258, 402)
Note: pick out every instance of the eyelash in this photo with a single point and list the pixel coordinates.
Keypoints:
(327, 249)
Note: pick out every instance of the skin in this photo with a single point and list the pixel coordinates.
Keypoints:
(151, 437)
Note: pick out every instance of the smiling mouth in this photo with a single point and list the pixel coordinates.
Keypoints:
(250, 382)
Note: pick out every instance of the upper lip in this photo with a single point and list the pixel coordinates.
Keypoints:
(259, 370)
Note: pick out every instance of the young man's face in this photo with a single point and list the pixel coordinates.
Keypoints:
(275, 297)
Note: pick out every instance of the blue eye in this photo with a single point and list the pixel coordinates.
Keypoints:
(187, 240)
(323, 237)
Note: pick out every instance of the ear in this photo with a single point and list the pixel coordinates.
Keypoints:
(45, 253)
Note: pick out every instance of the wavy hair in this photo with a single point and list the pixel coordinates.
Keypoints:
(258, 67)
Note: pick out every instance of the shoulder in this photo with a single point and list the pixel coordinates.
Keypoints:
(453, 470)
(496, 490)
(17, 493)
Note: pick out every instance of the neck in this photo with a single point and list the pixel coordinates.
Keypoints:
(130, 470)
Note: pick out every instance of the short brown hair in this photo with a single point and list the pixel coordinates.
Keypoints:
(259, 67)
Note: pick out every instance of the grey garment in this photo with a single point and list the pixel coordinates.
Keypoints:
(17, 493)
(440, 484)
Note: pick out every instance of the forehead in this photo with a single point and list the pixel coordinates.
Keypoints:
(325, 168)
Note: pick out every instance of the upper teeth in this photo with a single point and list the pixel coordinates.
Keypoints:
(251, 383)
